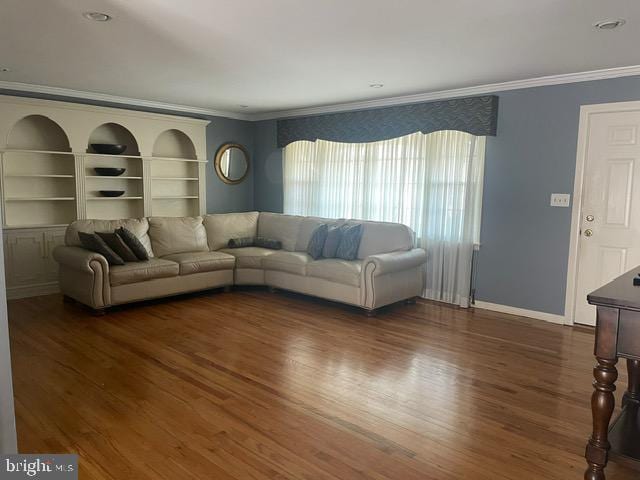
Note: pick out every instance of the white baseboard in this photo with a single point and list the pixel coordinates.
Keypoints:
(13, 293)
(522, 312)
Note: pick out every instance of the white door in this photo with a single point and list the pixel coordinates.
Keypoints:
(609, 243)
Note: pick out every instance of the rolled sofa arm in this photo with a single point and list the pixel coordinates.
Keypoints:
(391, 277)
(395, 261)
(84, 275)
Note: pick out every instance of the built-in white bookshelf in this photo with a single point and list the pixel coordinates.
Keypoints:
(48, 177)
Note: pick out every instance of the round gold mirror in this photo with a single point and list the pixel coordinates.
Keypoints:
(232, 163)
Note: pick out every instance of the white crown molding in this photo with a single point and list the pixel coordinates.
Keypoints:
(456, 93)
(341, 107)
(103, 97)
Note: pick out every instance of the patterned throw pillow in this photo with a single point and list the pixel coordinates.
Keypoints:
(241, 242)
(334, 234)
(350, 242)
(316, 242)
(93, 242)
(267, 243)
(133, 243)
(115, 243)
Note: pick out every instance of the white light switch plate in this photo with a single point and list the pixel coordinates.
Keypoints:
(560, 199)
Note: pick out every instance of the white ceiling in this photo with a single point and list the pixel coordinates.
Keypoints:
(284, 54)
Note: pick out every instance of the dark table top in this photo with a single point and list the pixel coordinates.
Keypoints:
(619, 293)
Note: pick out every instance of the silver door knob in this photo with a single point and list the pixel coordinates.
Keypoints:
(588, 232)
(589, 218)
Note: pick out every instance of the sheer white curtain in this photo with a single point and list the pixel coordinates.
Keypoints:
(433, 183)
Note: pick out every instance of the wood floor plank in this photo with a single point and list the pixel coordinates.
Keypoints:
(255, 385)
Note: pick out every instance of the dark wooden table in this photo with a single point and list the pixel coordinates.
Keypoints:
(617, 336)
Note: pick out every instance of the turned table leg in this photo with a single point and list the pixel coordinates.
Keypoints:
(633, 393)
(602, 404)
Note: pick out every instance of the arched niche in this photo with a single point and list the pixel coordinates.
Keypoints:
(37, 132)
(174, 144)
(114, 133)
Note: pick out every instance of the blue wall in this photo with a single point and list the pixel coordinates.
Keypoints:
(220, 196)
(525, 242)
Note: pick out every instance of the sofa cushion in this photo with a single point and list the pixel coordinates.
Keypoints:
(316, 242)
(290, 262)
(336, 270)
(383, 237)
(95, 243)
(223, 227)
(132, 242)
(177, 235)
(142, 271)
(249, 257)
(280, 227)
(198, 262)
(332, 241)
(350, 242)
(118, 245)
(138, 226)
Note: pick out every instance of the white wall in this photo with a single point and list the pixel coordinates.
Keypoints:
(8, 442)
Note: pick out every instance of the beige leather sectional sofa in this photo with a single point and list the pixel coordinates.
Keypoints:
(190, 254)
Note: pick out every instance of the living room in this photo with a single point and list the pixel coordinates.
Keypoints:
(344, 240)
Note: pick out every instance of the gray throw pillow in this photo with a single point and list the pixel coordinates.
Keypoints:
(334, 234)
(241, 242)
(267, 243)
(350, 242)
(316, 242)
(115, 243)
(133, 243)
(93, 242)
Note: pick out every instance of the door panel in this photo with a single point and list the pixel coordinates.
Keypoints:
(609, 242)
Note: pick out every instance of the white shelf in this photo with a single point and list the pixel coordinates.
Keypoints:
(33, 175)
(113, 177)
(113, 198)
(38, 199)
(38, 225)
(174, 197)
(86, 154)
(41, 152)
(185, 179)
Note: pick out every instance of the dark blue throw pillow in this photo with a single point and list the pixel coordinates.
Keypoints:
(316, 242)
(350, 242)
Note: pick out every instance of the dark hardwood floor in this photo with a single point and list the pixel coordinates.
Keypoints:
(254, 385)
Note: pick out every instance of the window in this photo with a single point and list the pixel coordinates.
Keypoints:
(432, 183)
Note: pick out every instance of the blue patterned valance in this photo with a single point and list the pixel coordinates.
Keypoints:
(476, 115)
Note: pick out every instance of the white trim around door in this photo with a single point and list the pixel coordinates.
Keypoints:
(586, 111)
(520, 312)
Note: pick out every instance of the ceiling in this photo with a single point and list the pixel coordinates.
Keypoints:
(274, 55)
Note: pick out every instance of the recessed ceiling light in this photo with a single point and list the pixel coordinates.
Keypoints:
(97, 16)
(376, 85)
(609, 24)
(243, 106)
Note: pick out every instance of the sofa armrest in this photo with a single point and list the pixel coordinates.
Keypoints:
(80, 259)
(84, 275)
(384, 263)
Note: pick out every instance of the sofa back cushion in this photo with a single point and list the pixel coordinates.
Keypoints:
(281, 227)
(138, 226)
(224, 226)
(177, 235)
(383, 237)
